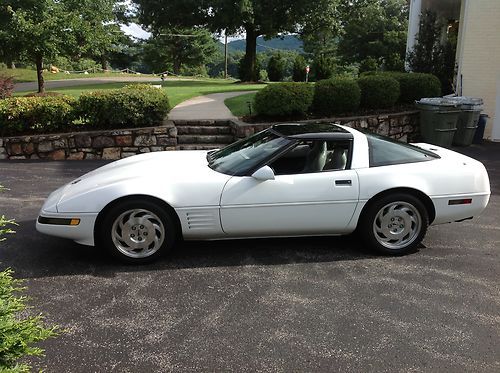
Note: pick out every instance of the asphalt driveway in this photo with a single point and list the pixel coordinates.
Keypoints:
(317, 304)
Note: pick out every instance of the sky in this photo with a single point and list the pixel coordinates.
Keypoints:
(137, 31)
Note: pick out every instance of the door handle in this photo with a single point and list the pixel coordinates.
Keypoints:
(343, 182)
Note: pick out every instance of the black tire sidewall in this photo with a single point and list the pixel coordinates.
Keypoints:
(104, 230)
(366, 226)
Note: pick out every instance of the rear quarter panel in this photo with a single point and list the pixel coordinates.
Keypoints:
(440, 179)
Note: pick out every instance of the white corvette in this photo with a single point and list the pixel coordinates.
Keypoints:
(289, 180)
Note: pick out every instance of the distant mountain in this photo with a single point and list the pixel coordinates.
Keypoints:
(288, 42)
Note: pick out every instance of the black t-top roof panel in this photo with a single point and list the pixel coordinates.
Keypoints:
(312, 131)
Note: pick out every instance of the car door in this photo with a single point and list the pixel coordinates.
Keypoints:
(304, 201)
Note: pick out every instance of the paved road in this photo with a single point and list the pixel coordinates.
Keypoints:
(209, 107)
(53, 84)
(317, 304)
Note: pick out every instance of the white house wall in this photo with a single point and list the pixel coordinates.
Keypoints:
(479, 57)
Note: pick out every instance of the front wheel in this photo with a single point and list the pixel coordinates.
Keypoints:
(136, 231)
(395, 224)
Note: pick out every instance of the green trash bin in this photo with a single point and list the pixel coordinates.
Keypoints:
(438, 120)
(468, 119)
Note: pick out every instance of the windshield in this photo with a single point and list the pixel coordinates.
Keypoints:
(246, 154)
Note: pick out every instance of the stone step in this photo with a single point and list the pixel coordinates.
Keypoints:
(205, 139)
(204, 130)
(200, 146)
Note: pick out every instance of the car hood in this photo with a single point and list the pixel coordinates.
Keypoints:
(150, 173)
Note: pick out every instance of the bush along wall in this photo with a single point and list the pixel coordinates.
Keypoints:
(131, 106)
(36, 114)
(336, 96)
(378, 91)
(284, 100)
(415, 86)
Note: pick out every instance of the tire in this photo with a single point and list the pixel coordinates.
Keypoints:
(136, 231)
(394, 224)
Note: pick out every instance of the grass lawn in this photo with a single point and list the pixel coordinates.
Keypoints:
(239, 104)
(29, 75)
(178, 90)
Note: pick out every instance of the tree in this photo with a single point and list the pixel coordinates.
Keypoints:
(127, 53)
(323, 68)
(299, 69)
(38, 26)
(321, 28)
(431, 54)
(173, 48)
(254, 17)
(96, 31)
(43, 29)
(276, 68)
(373, 29)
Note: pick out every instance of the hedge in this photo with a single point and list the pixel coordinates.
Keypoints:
(415, 86)
(136, 105)
(35, 114)
(336, 96)
(378, 91)
(284, 99)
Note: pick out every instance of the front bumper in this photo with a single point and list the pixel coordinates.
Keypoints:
(59, 225)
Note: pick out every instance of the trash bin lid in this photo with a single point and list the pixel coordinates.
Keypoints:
(474, 103)
(437, 101)
(467, 100)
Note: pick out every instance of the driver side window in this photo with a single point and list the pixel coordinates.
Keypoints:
(311, 156)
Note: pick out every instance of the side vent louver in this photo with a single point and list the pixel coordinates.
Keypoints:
(201, 220)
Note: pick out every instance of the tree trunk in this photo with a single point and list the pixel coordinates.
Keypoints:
(10, 64)
(104, 62)
(249, 70)
(177, 66)
(39, 74)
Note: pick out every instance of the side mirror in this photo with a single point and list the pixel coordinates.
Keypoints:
(263, 174)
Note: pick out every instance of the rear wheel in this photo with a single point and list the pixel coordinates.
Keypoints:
(137, 231)
(395, 224)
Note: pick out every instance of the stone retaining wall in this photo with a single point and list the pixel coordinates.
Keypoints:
(116, 144)
(111, 144)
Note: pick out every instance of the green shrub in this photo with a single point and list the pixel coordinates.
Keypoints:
(284, 99)
(336, 96)
(135, 106)
(263, 77)
(81, 64)
(299, 69)
(35, 114)
(18, 332)
(378, 91)
(369, 64)
(276, 68)
(415, 86)
(323, 68)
